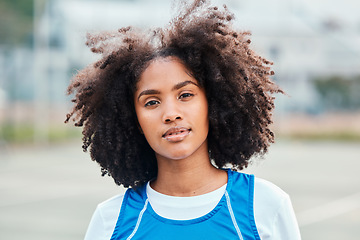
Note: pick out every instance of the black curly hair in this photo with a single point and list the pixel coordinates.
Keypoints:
(236, 81)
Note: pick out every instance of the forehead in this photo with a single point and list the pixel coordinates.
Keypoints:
(164, 71)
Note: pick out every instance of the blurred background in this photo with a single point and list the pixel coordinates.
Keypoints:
(49, 188)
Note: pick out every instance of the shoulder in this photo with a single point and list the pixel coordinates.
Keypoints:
(109, 210)
(263, 189)
(268, 199)
(111, 203)
(273, 212)
(104, 219)
(268, 192)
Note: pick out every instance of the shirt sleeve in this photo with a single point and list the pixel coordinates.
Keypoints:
(104, 219)
(274, 215)
(285, 224)
(96, 228)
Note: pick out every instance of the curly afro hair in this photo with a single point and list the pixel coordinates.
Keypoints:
(236, 81)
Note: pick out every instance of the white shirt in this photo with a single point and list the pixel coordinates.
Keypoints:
(273, 211)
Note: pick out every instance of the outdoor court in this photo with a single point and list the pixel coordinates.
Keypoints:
(50, 192)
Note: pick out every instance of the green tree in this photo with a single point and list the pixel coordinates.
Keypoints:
(338, 92)
(16, 22)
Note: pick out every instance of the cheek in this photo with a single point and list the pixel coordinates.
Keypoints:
(204, 111)
(203, 116)
(141, 120)
(146, 122)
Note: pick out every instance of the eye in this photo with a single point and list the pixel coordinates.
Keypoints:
(186, 95)
(151, 103)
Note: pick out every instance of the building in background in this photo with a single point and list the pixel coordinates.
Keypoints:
(304, 38)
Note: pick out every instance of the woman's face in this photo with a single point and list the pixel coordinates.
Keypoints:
(172, 109)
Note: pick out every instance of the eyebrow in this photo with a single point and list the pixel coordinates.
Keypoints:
(183, 84)
(176, 87)
(148, 92)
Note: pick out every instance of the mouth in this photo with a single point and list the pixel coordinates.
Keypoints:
(176, 134)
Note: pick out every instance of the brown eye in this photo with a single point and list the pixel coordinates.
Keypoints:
(186, 95)
(151, 103)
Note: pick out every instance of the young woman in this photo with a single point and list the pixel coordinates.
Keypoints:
(167, 113)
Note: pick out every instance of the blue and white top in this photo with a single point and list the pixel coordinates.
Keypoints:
(236, 214)
(232, 218)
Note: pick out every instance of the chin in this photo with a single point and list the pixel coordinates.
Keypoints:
(175, 156)
(178, 157)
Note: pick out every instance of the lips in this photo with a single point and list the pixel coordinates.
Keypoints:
(176, 134)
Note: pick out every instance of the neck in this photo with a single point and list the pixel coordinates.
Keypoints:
(188, 177)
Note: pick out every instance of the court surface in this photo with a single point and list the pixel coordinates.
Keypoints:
(50, 192)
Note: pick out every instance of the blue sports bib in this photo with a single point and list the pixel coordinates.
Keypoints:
(232, 218)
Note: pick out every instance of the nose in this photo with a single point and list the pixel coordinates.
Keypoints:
(170, 119)
(171, 113)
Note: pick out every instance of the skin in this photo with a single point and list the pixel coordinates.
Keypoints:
(172, 112)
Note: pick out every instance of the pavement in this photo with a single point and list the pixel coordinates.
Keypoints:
(50, 191)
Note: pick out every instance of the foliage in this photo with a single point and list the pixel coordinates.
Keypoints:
(25, 133)
(338, 136)
(16, 21)
(338, 93)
